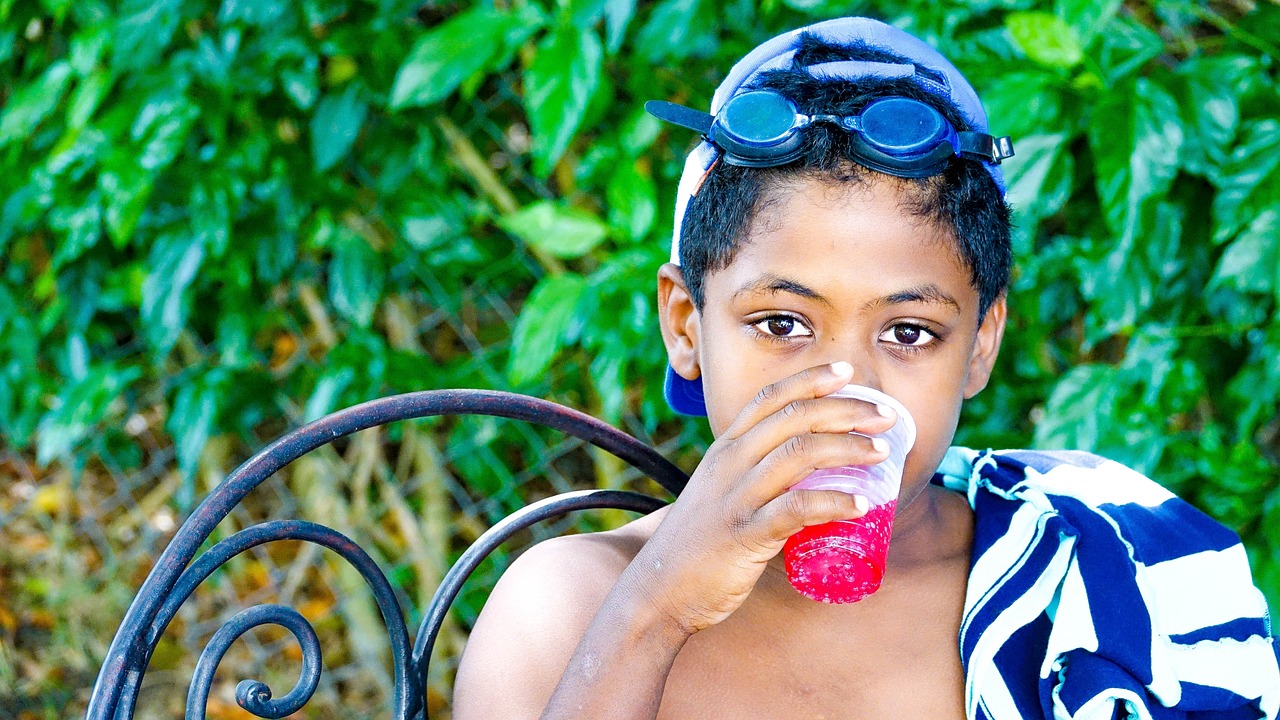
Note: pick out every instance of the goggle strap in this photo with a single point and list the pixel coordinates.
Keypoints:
(1004, 148)
(695, 120)
(984, 146)
(974, 144)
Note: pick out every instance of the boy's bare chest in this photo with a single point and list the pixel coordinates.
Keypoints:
(904, 663)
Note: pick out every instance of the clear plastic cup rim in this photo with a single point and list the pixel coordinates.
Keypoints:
(862, 392)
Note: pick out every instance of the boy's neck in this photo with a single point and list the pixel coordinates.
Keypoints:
(936, 526)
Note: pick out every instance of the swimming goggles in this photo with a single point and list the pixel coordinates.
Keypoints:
(895, 135)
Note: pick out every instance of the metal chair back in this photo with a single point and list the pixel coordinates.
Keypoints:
(179, 571)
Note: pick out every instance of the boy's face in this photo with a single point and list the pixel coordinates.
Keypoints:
(832, 273)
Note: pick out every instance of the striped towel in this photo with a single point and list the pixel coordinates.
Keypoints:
(1096, 594)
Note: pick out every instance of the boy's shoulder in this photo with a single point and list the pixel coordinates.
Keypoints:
(584, 565)
(608, 551)
(540, 609)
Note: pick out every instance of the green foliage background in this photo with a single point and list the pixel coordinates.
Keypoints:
(226, 211)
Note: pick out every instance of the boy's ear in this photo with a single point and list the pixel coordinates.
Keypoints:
(986, 347)
(680, 322)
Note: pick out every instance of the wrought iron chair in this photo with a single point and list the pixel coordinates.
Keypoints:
(178, 571)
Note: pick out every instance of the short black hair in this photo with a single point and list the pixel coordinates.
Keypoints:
(963, 199)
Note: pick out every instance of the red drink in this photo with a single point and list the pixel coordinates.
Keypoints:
(844, 561)
(841, 561)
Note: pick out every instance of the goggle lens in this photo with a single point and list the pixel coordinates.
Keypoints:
(903, 127)
(759, 118)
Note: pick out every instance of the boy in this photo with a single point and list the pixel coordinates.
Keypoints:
(816, 252)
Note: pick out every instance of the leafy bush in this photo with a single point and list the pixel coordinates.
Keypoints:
(244, 215)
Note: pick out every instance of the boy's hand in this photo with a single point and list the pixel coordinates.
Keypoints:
(736, 513)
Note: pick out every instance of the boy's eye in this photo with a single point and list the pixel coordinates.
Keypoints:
(908, 335)
(782, 326)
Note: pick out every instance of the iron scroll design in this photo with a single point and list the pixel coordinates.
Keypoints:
(175, 576)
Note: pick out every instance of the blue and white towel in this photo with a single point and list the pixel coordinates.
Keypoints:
(1097, 594)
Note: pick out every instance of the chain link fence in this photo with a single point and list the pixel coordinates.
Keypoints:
(77, 542)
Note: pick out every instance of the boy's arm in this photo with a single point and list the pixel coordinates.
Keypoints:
(696, 569)
(620, 668)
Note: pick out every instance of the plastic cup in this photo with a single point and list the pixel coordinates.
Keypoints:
(844, 561)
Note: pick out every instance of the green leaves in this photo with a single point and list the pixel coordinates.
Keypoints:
(88, 94)
(80, 406)
(477, 40)
(546, 322)
(1210, 111)
(22, 391)
(1124, 48)
(559, 230)
(162, 128)
(1045, 38)
(355, 277)
(1250, 181)
(335, 127)
(1135, 138)
(1025, 103)
(1251, 264)
(125, 189)
(1039, 177)
(1085, 18)
(1076, 411)
(633, 201)
(31, 104)
(1131, 275)
(145, 30)
(195, 408)
(677, 29)
(1248, 203)
(1122, 411)
(617, 15)
(324, 399)
(158, 133)
(558, 85)
(173, 263)
(82, 227)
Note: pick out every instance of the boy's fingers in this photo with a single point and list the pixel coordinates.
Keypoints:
(791, 512)
(817, 415)
(797, 457)
(807, 384)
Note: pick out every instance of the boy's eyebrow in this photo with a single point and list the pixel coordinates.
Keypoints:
(771, 283)
(928, 293)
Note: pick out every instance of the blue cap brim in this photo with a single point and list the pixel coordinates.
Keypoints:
(684, 396)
